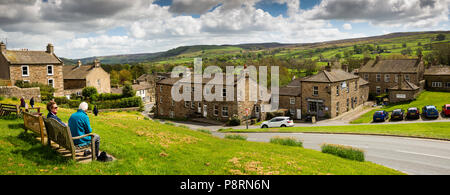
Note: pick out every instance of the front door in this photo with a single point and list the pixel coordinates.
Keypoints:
(205, 111)
(299, 114)
(257, 111)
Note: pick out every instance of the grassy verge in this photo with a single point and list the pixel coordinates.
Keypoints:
(145, 147)
(287, 141)
(439, 130)
(425, 98)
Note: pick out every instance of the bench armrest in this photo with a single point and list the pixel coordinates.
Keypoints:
(83, 136)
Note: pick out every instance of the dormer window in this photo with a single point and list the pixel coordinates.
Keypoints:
(25, 71)
(50, 70)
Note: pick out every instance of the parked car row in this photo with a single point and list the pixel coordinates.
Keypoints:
(413, 113)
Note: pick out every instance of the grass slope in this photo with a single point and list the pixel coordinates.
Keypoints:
(425, 98)
(148, 147)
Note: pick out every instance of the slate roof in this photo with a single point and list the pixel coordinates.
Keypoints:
(437, 71)
(391, 66)
(406, 86)
(335, 75)
(362, 82)
(30, 57)
(290, 91)
(75, 72)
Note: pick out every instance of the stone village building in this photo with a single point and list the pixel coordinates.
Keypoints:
(384, 74)
(327, 94)
(32, 66)
(79, 76)
(222, 111)
(437, 78)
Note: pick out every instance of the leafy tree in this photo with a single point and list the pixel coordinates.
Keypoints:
(419, 51)
(440, 37)
(128, 91)
(125, 75)
(89, 92)
(404, 45)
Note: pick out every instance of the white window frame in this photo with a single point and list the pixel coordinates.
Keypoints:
(224, 92)
(378, 89)
(28, 70)
(225, 111)
(315, 91)
(53, 82)
(387, 78)
(338, 91)
(50, 74)
(436, 84)
(292, 101)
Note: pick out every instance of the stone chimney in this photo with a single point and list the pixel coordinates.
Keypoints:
(97, 63)
(345, 67)
(328, 67)
(2, 47)
(377, 59)
(50, 48)
(79, 63)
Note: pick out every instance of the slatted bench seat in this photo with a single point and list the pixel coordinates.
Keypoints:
(35, 123)
(63, 137)
(6, 109)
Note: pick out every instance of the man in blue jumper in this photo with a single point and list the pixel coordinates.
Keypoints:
(80, 125)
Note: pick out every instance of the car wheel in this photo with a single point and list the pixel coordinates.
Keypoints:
(265, 127)
(283, 125)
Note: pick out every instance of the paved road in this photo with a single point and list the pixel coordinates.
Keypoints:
(408, 155)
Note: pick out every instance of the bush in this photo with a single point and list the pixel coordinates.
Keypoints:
(61, 100)
(344, 152)
(109, 96)
(121, 103)
(204, 131)
(2, 98)
(128, 91)
(14, 98)
(236, 137)
(288, 141)
(89, 92)
(234, 122)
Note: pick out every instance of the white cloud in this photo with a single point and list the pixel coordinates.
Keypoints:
(79, 28)
(347, 26)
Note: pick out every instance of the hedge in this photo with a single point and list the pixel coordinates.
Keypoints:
(120, 103)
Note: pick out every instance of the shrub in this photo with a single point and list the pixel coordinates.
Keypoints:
(2, 98)
(128, 91)
(14, 98)
(288, 141)
(109, 96)
(89, 92)
(344, 152)
(121, 103)
(234, 122)
(204, 131)
(61, 100)
(169, 123)
(236, 137)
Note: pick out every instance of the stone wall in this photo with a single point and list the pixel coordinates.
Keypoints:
(396, 96)
(13, 91)
(413, 78)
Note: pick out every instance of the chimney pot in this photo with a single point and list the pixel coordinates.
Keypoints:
(328, 67)
(50, 48)
(2, 47)
(97, 63)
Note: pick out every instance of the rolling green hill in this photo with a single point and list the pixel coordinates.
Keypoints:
(391, 43)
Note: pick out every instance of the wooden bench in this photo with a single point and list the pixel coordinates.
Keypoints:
(63, 137)
(23, 109)
(35, 123)
(6, 109)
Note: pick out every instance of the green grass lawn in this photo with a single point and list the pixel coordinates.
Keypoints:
(148, 147)
(425, 98)
(439, 130)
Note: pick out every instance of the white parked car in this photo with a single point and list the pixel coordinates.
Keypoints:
(278, 122)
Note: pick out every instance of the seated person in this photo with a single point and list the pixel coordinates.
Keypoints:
(79, 125)
(52, 111)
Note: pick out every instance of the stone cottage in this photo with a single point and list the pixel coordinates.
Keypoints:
(332, 92)
(222, 111)
(437, 78)
(79, 76)
(32, 66)
(384, 74)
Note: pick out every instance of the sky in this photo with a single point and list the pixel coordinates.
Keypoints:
(86, 28)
